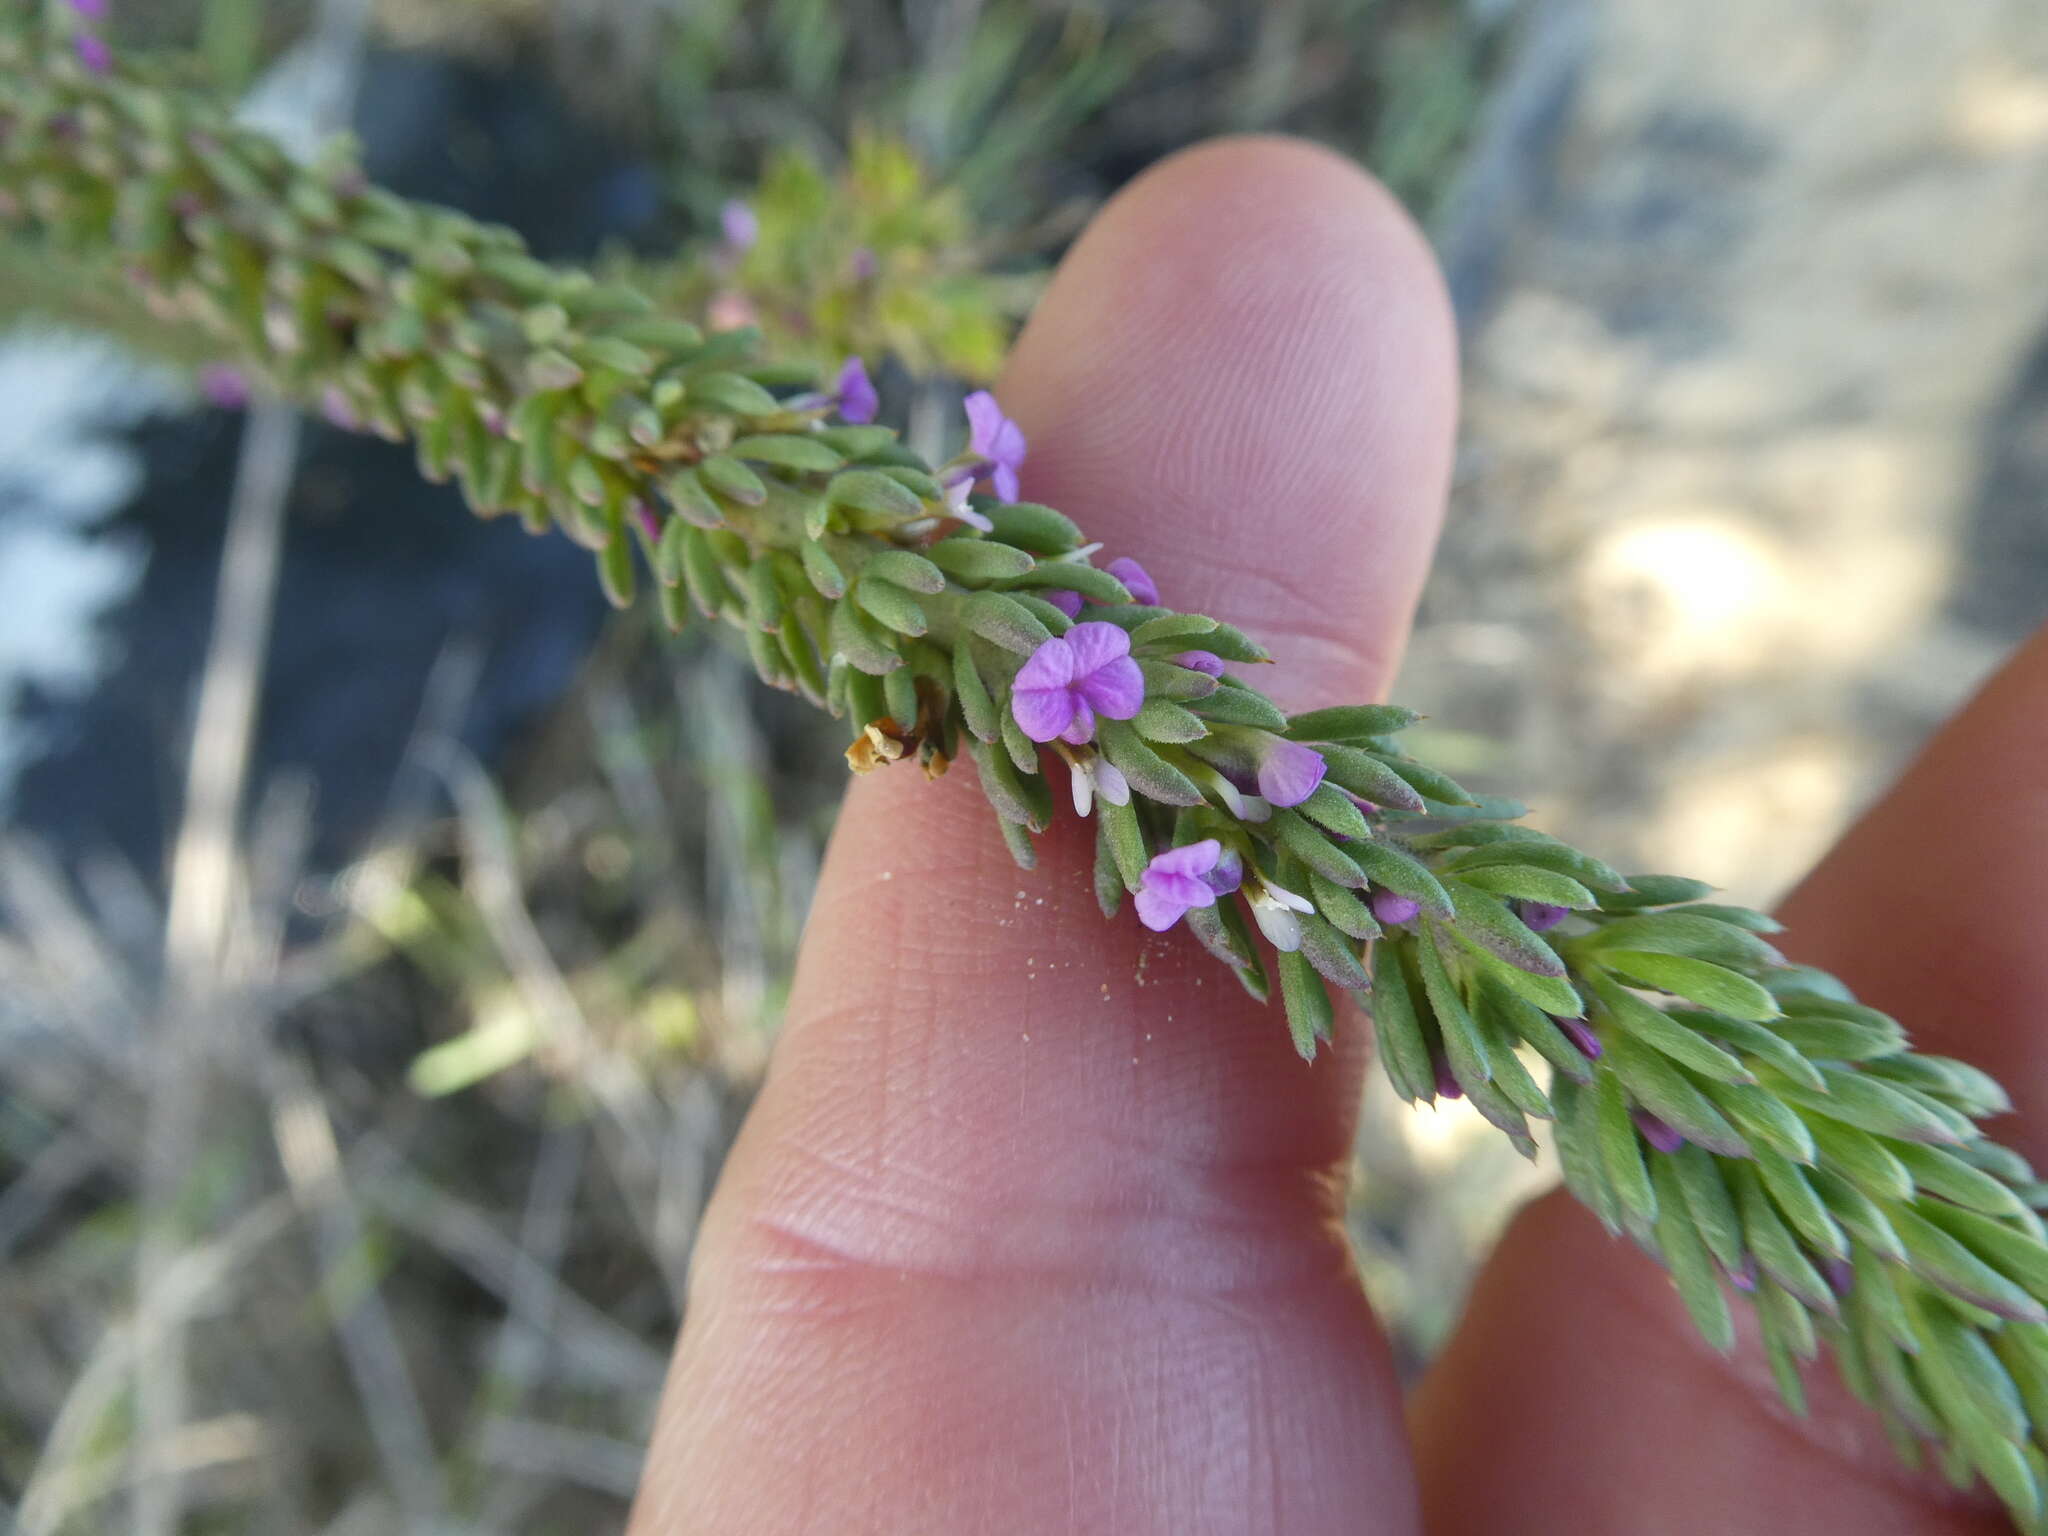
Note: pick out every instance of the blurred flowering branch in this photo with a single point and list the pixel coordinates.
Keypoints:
(1745, 1120)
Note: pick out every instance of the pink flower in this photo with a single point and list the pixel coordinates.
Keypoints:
(1289, 772)
(855, 393)
(997, 440)
(1072, 678)
(1391, 909)
(1208, 663)
(93, 52)
(1136, 579)
(736, 221)
(1181, 879)
(1067, 602)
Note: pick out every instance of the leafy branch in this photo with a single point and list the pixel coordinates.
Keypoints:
(1744, 1120)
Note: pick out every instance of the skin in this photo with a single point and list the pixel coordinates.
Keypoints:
(1036, 1223)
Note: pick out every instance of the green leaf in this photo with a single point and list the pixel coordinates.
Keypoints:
(977, 708)
(1762, 1117)
(1870, 1105)
(822, 570)
(1523, 845)
(978, 561)
(1096, 586)
(1333, 955)
(1332, 810)
(894, 607)
(1369, 778)
(1150, 774)
(1487, 922)
(1698, 981)
(1858, 1214)
(1839, 1039)
(1350, 722)
(1055, 622)
(734, 393)
(1404, 876)
(1172, 631)
(1464, 1046)
(1657, 1029)
(1553, 994)
(861, 642)
(733, 480)
(1655, 891)
(1397, 1026)
(871, 491)
(1712, 1208)
(1005, 622)
(1940, 1172)
(1164, 680)
(692, 502)
(1621, 1153)
(1799, 1204)
(1943, 1261)
(1346, 912)
(1425, 780)
(1161, 720)
(1122, 831)
(2021, 1258)
(1777, 1251)
(1663, 1089)
(901, 568)
(1525, 882)
(1003, 786)
(1683, 933)
(857, 442)
(1234, 705)
(1691, 1266)
(1298, 836)
(1310, 1016)
(1863, 1160)
(1509, 1075)
(1755, 1040)
(1030, 526)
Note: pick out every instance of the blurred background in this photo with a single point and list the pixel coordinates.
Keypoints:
(368, 1047)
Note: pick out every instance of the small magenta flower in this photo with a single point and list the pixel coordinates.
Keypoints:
(1542, 916)
(1136, 579)
(997, 440)
(1072, 678)
(1447, 1084)
(1743, 1275)
(1391, 909)
(1067, 602)
(1583, 1038)
(93, 52)
(223, 386)
(864, 265)
(1658, 1133)
(1208, 663)
(855, 393)
(1288, 772)
(738, 224)
(650, 523)
(1177, 881)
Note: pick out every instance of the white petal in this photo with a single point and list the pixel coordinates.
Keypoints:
(1288, 898)
(1084, 789)
(1111, 783)
(1280, 926)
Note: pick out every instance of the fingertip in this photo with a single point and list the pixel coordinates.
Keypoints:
(1247, 372)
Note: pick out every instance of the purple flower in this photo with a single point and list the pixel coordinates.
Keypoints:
(1542, 916)
(1206, 662)
(737, 223)
(1743, 1275)
(91, 10)
(856, 393)
(1447, 1084)
(93, 52)
(1392, 909)
(1840, 1276)
(1136, 579)
(1576, 1031)
(996, 439)
(1288, 771)
(224, 387)
(864, 265)
(335, 407)
(650, 524)
(1072, 678)
(1067, 602)
(1176, 881)
(1658, 1133)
